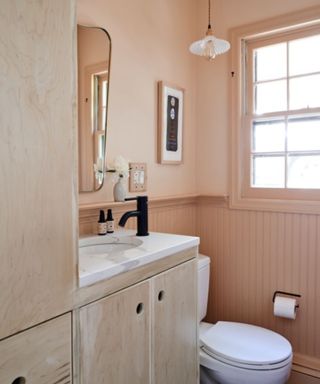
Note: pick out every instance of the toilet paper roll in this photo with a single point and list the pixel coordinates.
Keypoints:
(285, 307)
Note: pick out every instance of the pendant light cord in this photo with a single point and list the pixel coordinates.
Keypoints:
(209, 14)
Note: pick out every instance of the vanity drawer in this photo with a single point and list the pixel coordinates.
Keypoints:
(38, 355)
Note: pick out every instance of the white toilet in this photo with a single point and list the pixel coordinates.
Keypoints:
(236, 353)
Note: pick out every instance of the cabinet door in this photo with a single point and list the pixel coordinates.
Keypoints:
(37, 151)
(175, 337)
(38, 355)
(115, 338)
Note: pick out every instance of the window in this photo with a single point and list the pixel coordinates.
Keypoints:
(276, 113)
(283, 111)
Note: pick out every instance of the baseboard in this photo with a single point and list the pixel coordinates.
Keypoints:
(307, 365)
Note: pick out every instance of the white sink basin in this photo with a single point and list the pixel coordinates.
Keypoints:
(108, 247)
(102, 257)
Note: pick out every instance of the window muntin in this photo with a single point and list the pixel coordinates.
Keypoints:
(284, 112)
(289, 145)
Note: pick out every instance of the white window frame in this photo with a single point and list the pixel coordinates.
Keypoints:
(242, 195)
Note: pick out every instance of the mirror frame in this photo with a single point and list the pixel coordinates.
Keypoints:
(104, 169)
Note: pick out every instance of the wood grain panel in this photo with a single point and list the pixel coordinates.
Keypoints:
(39, 355)
(37, 157)
(175, 337)
(255, 253)
(100, 289)
(115, 339)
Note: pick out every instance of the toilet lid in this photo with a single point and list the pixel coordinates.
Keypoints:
(246, 344)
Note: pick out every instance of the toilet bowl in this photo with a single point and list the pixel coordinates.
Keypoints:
(237, 353)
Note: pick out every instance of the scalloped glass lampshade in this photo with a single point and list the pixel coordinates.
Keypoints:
(210, 46)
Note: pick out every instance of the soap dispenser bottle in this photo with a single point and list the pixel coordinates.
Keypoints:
(102, 225)
(110, 222)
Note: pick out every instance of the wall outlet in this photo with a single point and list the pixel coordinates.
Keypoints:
(138, 177)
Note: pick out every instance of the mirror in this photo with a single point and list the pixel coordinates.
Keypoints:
(94, 55)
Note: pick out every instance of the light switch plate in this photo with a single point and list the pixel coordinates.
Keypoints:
(138, 177)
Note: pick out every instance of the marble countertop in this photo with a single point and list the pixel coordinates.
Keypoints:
(102, 257)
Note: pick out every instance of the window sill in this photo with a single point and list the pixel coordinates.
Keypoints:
(275, 205)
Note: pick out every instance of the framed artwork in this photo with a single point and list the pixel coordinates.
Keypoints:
(170, 123)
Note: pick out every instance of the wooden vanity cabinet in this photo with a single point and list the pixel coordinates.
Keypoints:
(39, 355)
(115, 338)
(146, 333)
(175, 325)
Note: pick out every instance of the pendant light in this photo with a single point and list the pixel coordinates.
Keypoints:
(209, 47)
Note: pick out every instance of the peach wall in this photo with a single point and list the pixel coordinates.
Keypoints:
(213, 101)
(149, 43)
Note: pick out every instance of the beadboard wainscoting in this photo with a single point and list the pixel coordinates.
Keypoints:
(169, 215)
(253, 254)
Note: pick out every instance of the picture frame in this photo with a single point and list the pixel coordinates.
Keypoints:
(170, 123)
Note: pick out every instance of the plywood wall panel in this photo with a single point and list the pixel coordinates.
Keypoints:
(37, 156)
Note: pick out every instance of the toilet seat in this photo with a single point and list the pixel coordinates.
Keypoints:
(246, 346)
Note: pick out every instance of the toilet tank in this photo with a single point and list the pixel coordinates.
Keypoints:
(203, 284)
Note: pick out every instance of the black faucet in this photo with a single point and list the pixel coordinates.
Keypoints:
(141, 214)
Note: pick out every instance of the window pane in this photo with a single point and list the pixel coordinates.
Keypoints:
(104, 93)
(271, 62)
(269, 136)
(305, 92)
(103, 117)
(304, 134)
(271, 97)
(304, 171)
(268, 171)
(304, 55)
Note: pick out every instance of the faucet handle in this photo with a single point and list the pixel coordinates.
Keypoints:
(131, 198)
(138, 198)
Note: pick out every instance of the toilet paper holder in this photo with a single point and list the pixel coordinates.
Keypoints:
(285, 293)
